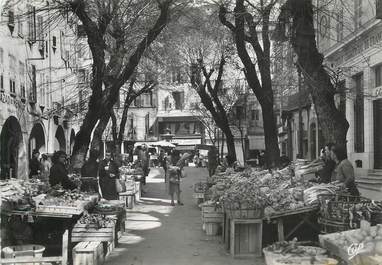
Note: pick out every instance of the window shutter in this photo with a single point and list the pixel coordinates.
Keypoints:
(378, 8)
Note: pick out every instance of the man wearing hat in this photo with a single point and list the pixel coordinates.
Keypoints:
(34, 164)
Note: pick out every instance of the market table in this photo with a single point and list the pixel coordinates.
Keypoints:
(66, 239)
(304, 214)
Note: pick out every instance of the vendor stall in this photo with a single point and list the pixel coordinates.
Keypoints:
(75, 216)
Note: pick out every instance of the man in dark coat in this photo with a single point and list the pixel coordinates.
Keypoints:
(108, 173)
(89, 172)
(58, 172)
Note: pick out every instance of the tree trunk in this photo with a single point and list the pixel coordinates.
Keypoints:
(230, 140)
(245, 31)
(98, 132)
(332, 121)
(272, 153)
(83, 137)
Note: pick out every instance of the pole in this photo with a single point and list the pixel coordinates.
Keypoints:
(300, 125)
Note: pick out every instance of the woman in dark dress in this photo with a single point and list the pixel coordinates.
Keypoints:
(59, 173)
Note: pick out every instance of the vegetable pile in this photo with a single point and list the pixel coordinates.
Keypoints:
(254, 189)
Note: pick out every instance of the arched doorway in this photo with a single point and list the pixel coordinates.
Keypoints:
(37, 139)
(313, 142)
(11, 142)
(72, 139)
(60, 142)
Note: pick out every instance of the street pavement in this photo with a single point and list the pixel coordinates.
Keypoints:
(160, 234)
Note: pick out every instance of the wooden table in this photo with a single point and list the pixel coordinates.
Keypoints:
(66, 238)
(305, 213)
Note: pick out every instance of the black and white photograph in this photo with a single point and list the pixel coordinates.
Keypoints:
(190, 132)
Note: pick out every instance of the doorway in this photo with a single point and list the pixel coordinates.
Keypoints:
(378, 134)
(11, 141)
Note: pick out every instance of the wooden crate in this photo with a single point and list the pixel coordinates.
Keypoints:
(128, 198)
(246, 237)
(83, 232)
(53, 209)
(212, 228)
(88, 253)
(211, 214)
(138, 190)
(245, 213)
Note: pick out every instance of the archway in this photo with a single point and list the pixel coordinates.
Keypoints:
(72, 139)
(60, 142)
(11, 142)
(37, 139)
(313, 142)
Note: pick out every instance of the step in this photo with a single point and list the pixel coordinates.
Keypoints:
(369, 187)
(375, 174)
(371, 177)
(369, 181)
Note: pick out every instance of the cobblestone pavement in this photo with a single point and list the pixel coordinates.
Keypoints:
(160, 234)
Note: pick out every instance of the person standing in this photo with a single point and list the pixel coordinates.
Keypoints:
(45, 168)
(34, 164)
(108, 173)
(212, 161)
(59, 173)
(145, 159)
(174, 184)
(89, 172)
(344, 170)
(326, 173)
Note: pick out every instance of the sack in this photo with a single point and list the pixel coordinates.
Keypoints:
(183, 174)
(120, 185)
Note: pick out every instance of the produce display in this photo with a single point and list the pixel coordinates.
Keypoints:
(294, 253)
(95, 220)
(275, 191)
(15, 189)
(366, 241)
(126, 170)
(311, 194)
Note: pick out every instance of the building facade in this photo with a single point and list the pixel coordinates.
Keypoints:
(37, 79)
(351, 43)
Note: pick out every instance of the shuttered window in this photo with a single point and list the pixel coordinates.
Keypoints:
(359, 143)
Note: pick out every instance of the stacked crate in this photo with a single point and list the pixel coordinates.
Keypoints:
(212, 218)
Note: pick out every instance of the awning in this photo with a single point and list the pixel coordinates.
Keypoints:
(256, 142)
(187, 141)
(185, 148)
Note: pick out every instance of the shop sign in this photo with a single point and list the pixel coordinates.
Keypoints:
(378, 92)
(7, 99)
(365, 43)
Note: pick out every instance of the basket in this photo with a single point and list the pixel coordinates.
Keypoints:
(376, 218)
(23, 251)
(200, 187)
(244, 213)
(274, 258)
(336, 207)
(330, 226)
